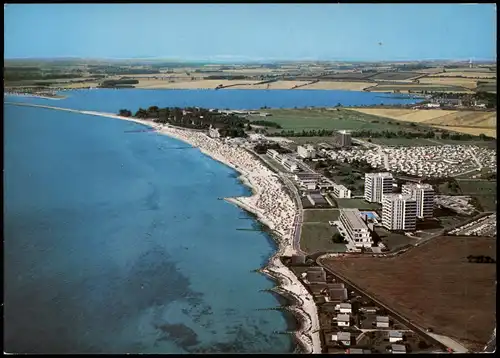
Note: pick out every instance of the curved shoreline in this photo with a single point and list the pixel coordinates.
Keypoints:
(269, 201)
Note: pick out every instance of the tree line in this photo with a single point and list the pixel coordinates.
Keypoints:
(229, 125)
(385, 134)
(481, 259)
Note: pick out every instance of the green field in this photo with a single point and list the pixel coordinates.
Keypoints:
(406, 142)
(394, 241)
(317, 119)
(478, 187)
(483, 191)
(317, 237)
(321, 215)
(360, 204)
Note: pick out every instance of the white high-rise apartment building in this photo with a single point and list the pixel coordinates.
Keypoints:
(343, 138)
(424, 195)
(377, 185)
(399, 212)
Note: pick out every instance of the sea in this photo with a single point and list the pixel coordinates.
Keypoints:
(115, 240)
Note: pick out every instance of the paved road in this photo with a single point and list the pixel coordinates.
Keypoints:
(437, 339)
(475, 159)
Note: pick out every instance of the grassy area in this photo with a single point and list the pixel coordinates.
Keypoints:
(478, 187)
(401, 142)
(486, 202)
(406, 142)
(479, 143)
(360, 204)
(393, 240)
(317, 237)
(321, 215)
(317, 118)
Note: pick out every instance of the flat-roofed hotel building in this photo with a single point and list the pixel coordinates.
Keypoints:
(356, 227)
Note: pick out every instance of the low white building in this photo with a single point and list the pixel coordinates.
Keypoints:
(343, 320)
(356, 228)
(255, 137)
(290, 165)
(326, 184)
(306, 151)
(341, 192)
(344, 308)
(308, 184)
(342, 337)
(395, 336)
(398, 349)
(213, 132)
(272, 153)
(382, 322)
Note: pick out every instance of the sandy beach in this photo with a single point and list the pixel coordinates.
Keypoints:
(270, 202)
(32, 95)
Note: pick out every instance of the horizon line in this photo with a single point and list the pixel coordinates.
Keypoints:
(240, 59)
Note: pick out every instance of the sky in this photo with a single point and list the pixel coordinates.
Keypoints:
(253, 32)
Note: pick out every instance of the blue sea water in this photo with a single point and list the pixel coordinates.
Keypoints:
(111, 100)
(116, 242)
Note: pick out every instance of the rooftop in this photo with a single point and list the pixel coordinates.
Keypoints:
(382, 319)
(418, 186)
(379, 175)
(397, 197)
(343, 317)
(398, 347)
(396, 334)
(354, 217)
(343, 336)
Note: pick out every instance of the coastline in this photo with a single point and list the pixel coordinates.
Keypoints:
(269, 201)
(32, 95)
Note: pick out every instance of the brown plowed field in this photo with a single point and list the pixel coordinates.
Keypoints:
(434, 285)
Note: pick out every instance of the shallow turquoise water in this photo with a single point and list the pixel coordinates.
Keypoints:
(116, 242)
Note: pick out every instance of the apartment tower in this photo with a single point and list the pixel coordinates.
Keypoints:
(424, 195)
(399, 212)
(377, 185)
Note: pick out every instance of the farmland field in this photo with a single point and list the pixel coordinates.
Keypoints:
(449, 81)
(470, 130)
(317, 119)
(418, 87)
(467, 74)
(472, 122)
(339, 85)
(434, 285)
(348, 75)
(395, 76)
